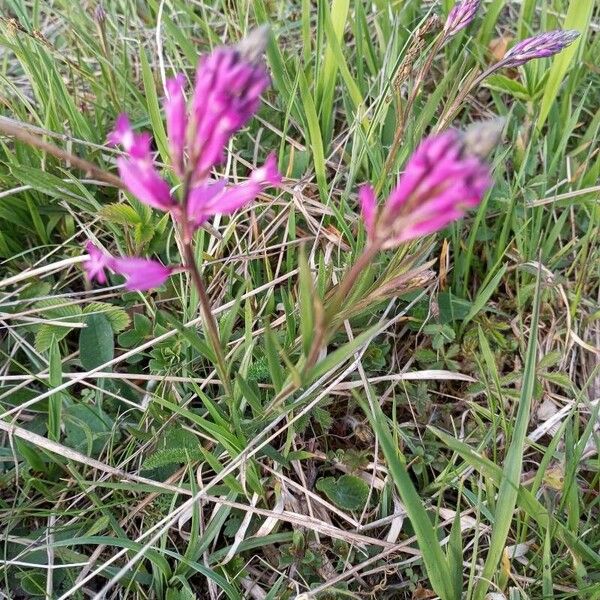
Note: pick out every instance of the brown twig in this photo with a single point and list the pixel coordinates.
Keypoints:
(18, 131)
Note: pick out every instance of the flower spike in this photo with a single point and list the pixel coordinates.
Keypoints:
(539, 46)
(460, 15)
(445, 176)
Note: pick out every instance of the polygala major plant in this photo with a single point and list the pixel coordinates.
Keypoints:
(447, 175)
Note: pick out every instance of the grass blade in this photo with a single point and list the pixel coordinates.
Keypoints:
(433, 556)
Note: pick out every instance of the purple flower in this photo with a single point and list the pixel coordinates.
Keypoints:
(140, 273)
(212, 198)
(229, 82)
(440, 183)
(538, 46)
(368, 207)
(461, 14)
(176, 116)
(137, 169)
(98, 261)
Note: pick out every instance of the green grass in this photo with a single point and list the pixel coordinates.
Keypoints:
(446, 444)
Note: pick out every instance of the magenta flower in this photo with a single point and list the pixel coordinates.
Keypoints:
(98, 261)
(137, 169)
(460, 15)
(440, 183)
(140, 273)
(212, 198)
(175, 113)
(227, 93)
(538, 46)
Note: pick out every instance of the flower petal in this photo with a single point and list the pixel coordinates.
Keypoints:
(96, 263)
(144, 182)
(175, 112)
(141, 273)
(368, 207)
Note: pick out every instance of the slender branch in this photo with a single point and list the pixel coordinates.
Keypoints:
(449, 114)
(401, 126)
(343, 289)
(18, 131)
(210, 323)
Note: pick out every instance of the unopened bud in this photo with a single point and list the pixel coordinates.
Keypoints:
(99, 14)
(480, 139)
(252, 47)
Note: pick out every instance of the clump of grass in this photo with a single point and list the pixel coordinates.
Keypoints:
(444, 438)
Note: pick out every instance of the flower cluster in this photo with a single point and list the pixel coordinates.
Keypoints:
(442, 180)
(541, 45)
(460, 15)
(228, 85)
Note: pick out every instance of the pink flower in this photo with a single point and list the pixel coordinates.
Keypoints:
(229, 82)
(137, 169)
(461, 14)
(175, 113)
(440, 183)
(209, 199)
(368, 207)
(98, 261)
(140, 273)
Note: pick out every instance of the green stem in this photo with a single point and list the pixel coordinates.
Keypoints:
(210, 323)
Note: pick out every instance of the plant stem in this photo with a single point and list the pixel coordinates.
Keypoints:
(343, 289)
(449, 114)
(401, 127)
(210, 323)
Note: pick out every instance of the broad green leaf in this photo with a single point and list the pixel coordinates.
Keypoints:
(347, 492)
(96, 342)
(117, 316)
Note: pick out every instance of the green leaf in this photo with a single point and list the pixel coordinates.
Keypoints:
(153, 105)
(484, 294)
(117, 316)
(348, 492)
(306, 299)
(88, 429)
(504, 84)
(314, 135)
(434, 558)
(513, 463)
(337, 357)
(96, 342)
(47, 333)
(122, 214)
(54, 401)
